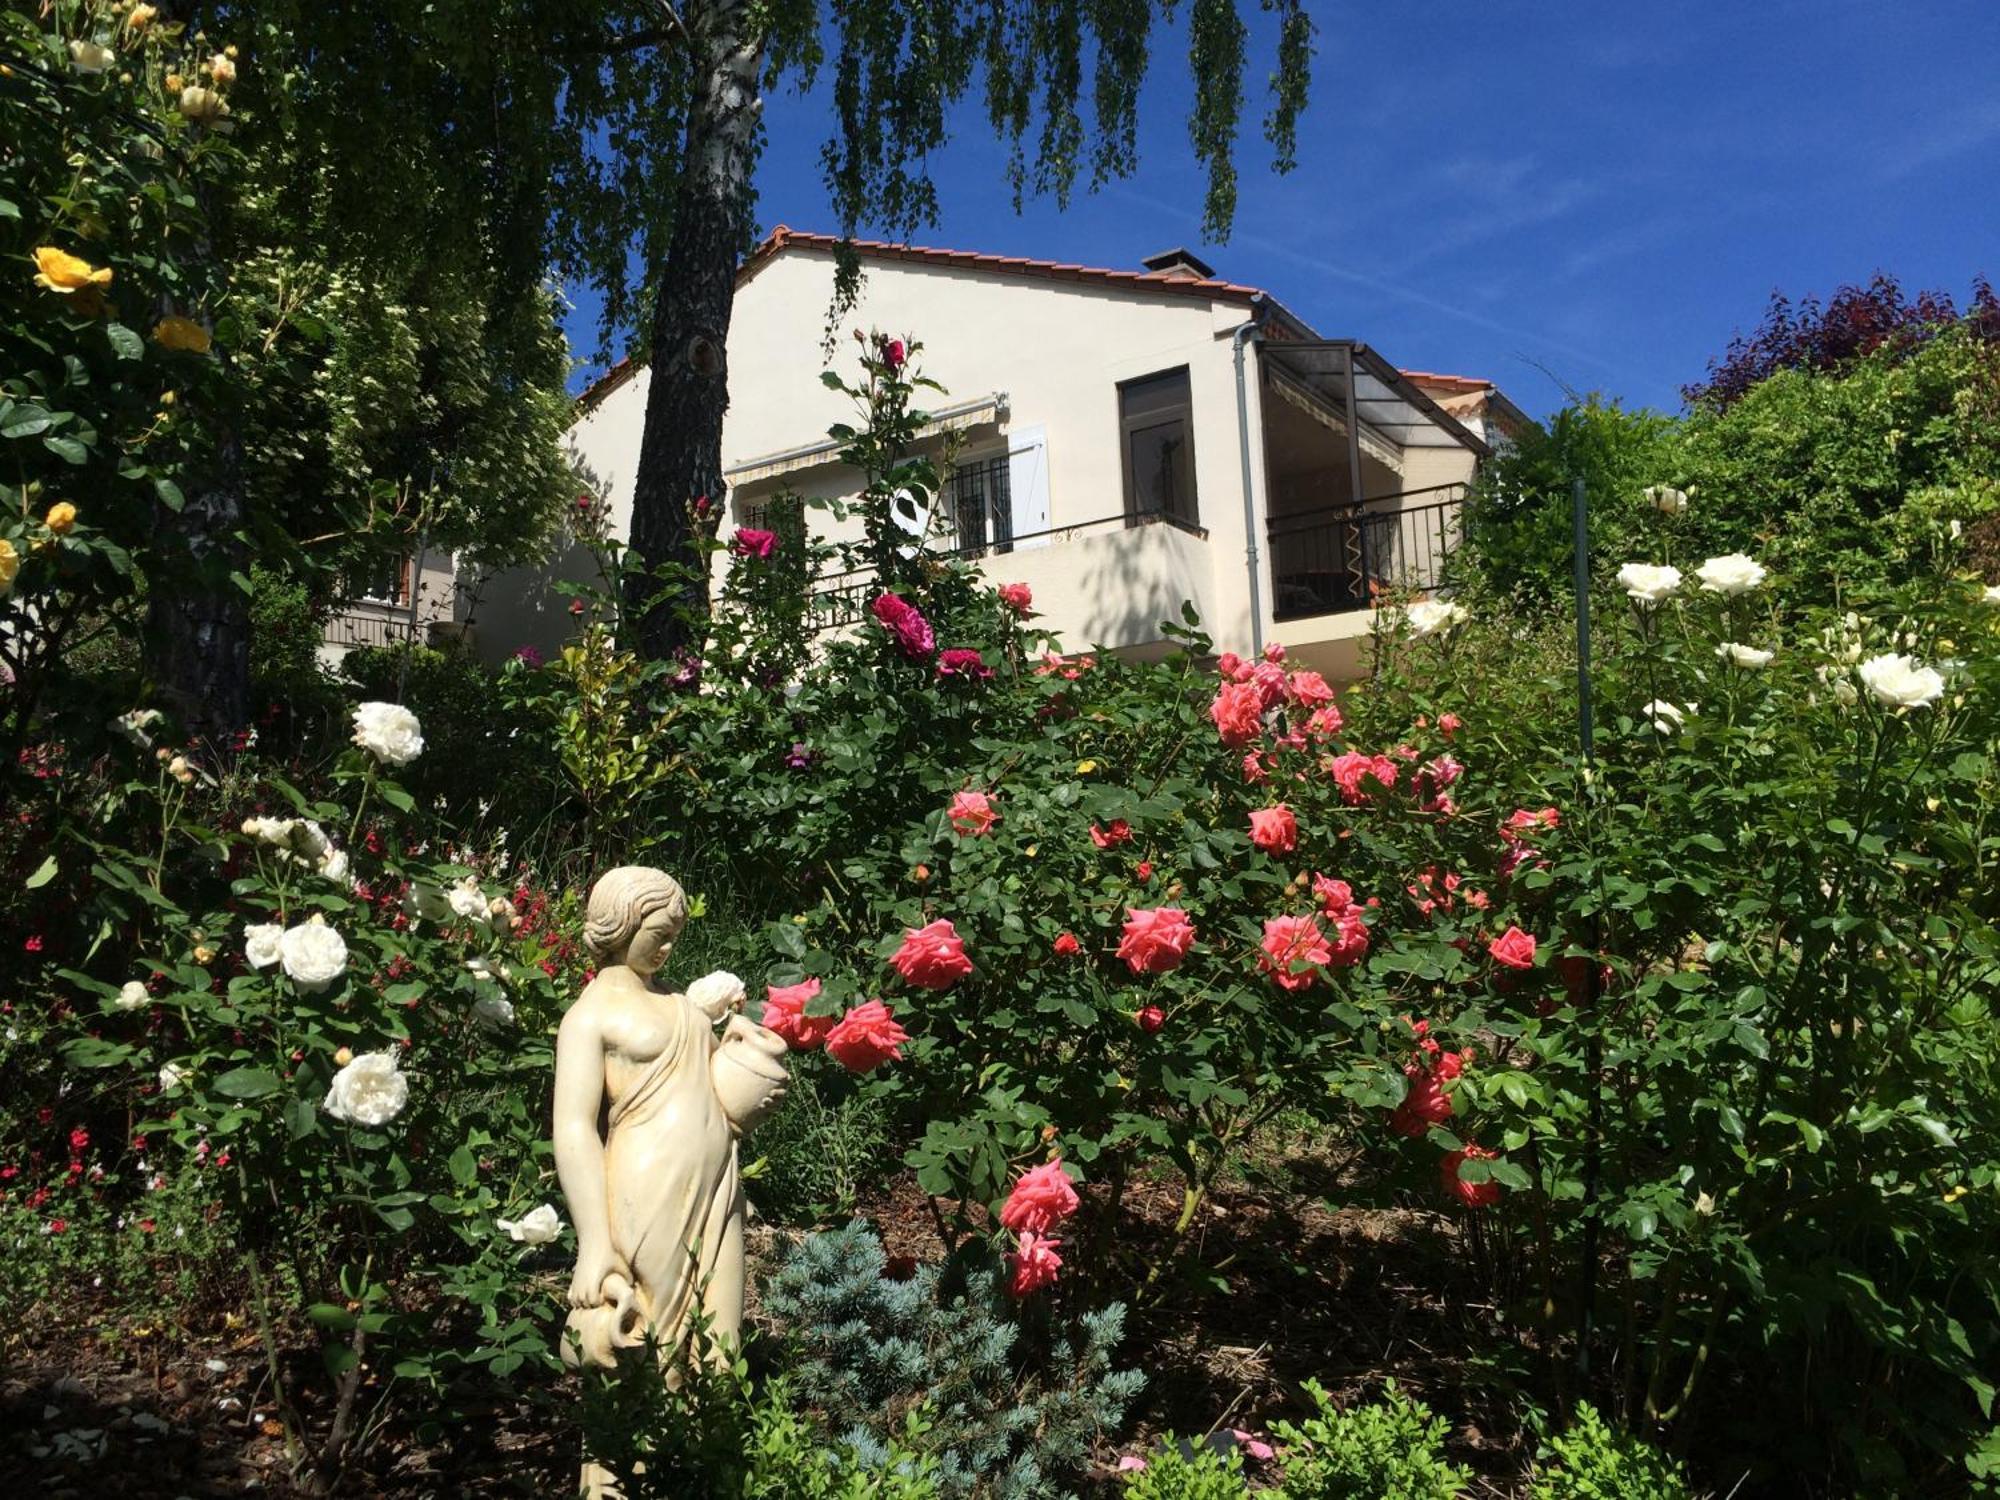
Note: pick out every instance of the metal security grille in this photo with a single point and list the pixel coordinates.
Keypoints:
(981, 506)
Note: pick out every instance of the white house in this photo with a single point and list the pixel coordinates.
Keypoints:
(1125, 441)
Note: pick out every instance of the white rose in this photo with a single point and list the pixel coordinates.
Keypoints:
(1648, 584)
(1991, 594)
(1666, 717)
(717, 994)
(1731, 574)
(1747, 657)
(171, 1078)
(370, 1090)
(1899, 682)
(138, 726)
(263, 944)
(539, 1226)
(389, 732)
(493, 1010)
(1431, 616)
(308, 838)
(201, 105)
(274, 831)
(314, 955)
(1665, 498)
(222, 69)
(90, 57)
(131, 995)
(334, 864)
(426, 902)
(467, 900)
(1845, 694)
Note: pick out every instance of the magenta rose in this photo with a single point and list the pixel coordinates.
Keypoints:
(906, 624)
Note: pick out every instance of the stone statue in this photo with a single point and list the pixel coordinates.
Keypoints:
(654, 1194)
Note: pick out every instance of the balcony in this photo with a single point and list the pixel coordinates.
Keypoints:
(1344, 558)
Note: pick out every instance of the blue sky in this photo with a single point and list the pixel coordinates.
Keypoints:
(1533, 192)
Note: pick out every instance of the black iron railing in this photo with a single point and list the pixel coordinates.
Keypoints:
(1331, 561)
(365, 627)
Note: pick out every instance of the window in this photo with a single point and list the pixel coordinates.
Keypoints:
(382, 580)
(1156, 418)
(982, 506)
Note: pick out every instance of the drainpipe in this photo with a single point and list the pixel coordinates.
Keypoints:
(1244, 334)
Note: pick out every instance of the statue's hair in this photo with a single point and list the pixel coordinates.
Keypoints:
(621, 900)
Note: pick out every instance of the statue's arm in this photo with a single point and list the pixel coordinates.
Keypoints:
(579, 1151)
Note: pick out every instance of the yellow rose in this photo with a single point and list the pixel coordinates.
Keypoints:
(203, 106)
(10, 564)
(221, 70)
(60, 271)
(182, 335)
(141, 17)
(61, 517)
(173, 83)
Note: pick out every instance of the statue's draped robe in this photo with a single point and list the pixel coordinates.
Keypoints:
(670, 1169)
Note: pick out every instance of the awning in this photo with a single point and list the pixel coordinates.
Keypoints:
(1296, 393)
(953, 418)
(1384, 400)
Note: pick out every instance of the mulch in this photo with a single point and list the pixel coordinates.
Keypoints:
(1281, 1287)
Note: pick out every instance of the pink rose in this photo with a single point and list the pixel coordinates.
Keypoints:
(1255, 771)
(1333, 896)
(1350, 943)
(1033, 1265)
(932, 957)
(749, 542)
(1514, 948)
(1274, 651)
(1294, 950)
(1111, 837)
(1238, 712)
(972, 814)
(1270, 681)
(1231, 666)
(902, 619)
(1324, 723)
(785, 1013)
(1042, 1198)
(963, 661)
(1450, 723)
(1349, 770)
(1017, 597)
(866, 1038)
(1426, 1104)
(1156, 940)
(1274, 829)
(1525, 825)
(1308, 690)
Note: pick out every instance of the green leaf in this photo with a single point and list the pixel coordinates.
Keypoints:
(44, 873)
(248, 1083)
(169, 493)
(67, 449)
(25, 421)
(124, 342)
(331, 1316)
(396, 797)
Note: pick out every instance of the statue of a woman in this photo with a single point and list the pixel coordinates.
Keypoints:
(648, 1107)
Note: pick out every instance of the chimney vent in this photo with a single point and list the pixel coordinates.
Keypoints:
(1179, 264)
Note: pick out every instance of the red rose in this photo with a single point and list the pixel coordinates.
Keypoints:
(1066, 946)
(894, 352)
(866, 1038)
(785, 1013)
(1150, 1019)
(963, 661)
(1274, 829)
(750, 542)
(932, 957)
(1156, 940)
(1110, 838)
(1472, 1194)
(1513, 948)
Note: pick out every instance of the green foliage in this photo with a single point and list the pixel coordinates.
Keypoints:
(1837, 479)
(708, 1434)
(1177, 1470)
(1387, 1450)
(1011, 1415)
(1592, 1461)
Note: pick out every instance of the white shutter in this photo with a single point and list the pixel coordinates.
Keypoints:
(1028, 485)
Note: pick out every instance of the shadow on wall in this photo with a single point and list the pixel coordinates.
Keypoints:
(1121, 585)
(531, 605)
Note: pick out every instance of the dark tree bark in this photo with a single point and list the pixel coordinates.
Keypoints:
(680, 450)
(198, 619)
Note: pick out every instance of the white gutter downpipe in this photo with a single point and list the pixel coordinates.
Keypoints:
(1244, 334)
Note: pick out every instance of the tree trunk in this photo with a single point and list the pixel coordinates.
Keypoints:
(680, 452)
(198, 618)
